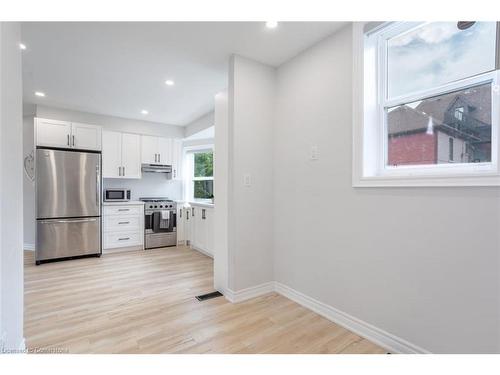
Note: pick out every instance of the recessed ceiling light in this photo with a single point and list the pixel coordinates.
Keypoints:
(22, 46)
(169, 82)
(144, 112)
(271, 24)
(39, 93)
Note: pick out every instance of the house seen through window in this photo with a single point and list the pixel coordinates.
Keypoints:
(436, 94)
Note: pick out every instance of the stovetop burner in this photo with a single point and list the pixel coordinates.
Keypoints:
(164, 199)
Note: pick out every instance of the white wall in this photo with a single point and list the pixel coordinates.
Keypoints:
(221, 191)
(150, 185)
(111, 123)
(200, 124)
(250, 131)
(28, 186)
(11, 182)
(420, 263)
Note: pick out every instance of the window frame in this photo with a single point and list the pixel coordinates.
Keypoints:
(370, 99)
(189, 153)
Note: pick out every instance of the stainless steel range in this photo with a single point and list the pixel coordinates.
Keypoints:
(160, 222)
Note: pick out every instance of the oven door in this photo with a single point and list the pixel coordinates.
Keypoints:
(164, 223)
(148, 222)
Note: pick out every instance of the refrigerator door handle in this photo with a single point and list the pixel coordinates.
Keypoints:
(67, 221)
(97, 187)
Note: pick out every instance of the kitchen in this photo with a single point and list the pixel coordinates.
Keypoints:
(142, 189)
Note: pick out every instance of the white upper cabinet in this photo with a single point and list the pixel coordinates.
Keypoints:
(64, 134)
(131, 155)
(165, 151)
(52, 133)
(85, 136)
(121, 155)
(156, 150)
(149, 149)
(111, 154)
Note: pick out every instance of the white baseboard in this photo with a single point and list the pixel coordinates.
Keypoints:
(22, 345)
(248, 293)
(29, 246)
(202, 251)
(376, 335)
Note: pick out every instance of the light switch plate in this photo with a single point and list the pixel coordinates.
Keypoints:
(247, 180)
(314, 155)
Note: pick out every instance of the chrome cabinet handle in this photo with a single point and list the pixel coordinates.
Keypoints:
(124, 239)
(124, 209)
(192, 211)
(203, 214)
(68, 140)
(73, 140)
(159, 158)
(124, 222)
(123, 169)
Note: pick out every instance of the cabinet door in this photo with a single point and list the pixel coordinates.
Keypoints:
(131, 155)
(187, 224)
(209, 230)
(52, 133)
(111, 154)
(165, 150)
(180, 225)
(149, 149)
(85, 136)
(176, 159)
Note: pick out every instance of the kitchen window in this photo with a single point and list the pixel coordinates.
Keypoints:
(201, 177)
(426, 104)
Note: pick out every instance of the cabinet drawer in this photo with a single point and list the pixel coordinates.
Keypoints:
(123, 210)
(120, 223)
(122, 239)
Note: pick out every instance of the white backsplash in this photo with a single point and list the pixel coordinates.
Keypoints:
(150, 185)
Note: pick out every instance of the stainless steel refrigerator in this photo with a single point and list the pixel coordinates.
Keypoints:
(68, 204)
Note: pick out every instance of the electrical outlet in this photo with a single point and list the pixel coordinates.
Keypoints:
(247, 180)
(314, 155)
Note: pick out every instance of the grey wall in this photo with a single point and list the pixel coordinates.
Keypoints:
(251, 110)
(11, 195)
(420, 263)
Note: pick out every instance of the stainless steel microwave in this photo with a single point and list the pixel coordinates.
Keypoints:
(116, 195)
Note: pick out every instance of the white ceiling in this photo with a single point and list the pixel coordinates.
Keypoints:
(120, 68)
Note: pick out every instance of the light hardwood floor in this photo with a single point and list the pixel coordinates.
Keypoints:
(143, 302)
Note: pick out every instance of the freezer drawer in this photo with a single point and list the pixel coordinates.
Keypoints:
(61, 238)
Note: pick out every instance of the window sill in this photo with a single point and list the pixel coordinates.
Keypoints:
(426, 181)
(201, 204)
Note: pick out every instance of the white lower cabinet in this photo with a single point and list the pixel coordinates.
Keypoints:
(123, 227)
(181, 237)
(201, 229)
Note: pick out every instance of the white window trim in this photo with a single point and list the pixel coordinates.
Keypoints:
(369, 141)
(189, 176)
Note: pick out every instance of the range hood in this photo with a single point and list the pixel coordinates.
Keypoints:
(157, 168)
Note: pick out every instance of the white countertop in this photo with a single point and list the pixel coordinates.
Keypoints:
(129, 203)
(201, 204)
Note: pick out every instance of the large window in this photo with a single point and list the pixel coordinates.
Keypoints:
(201, 174)
(431, 100)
